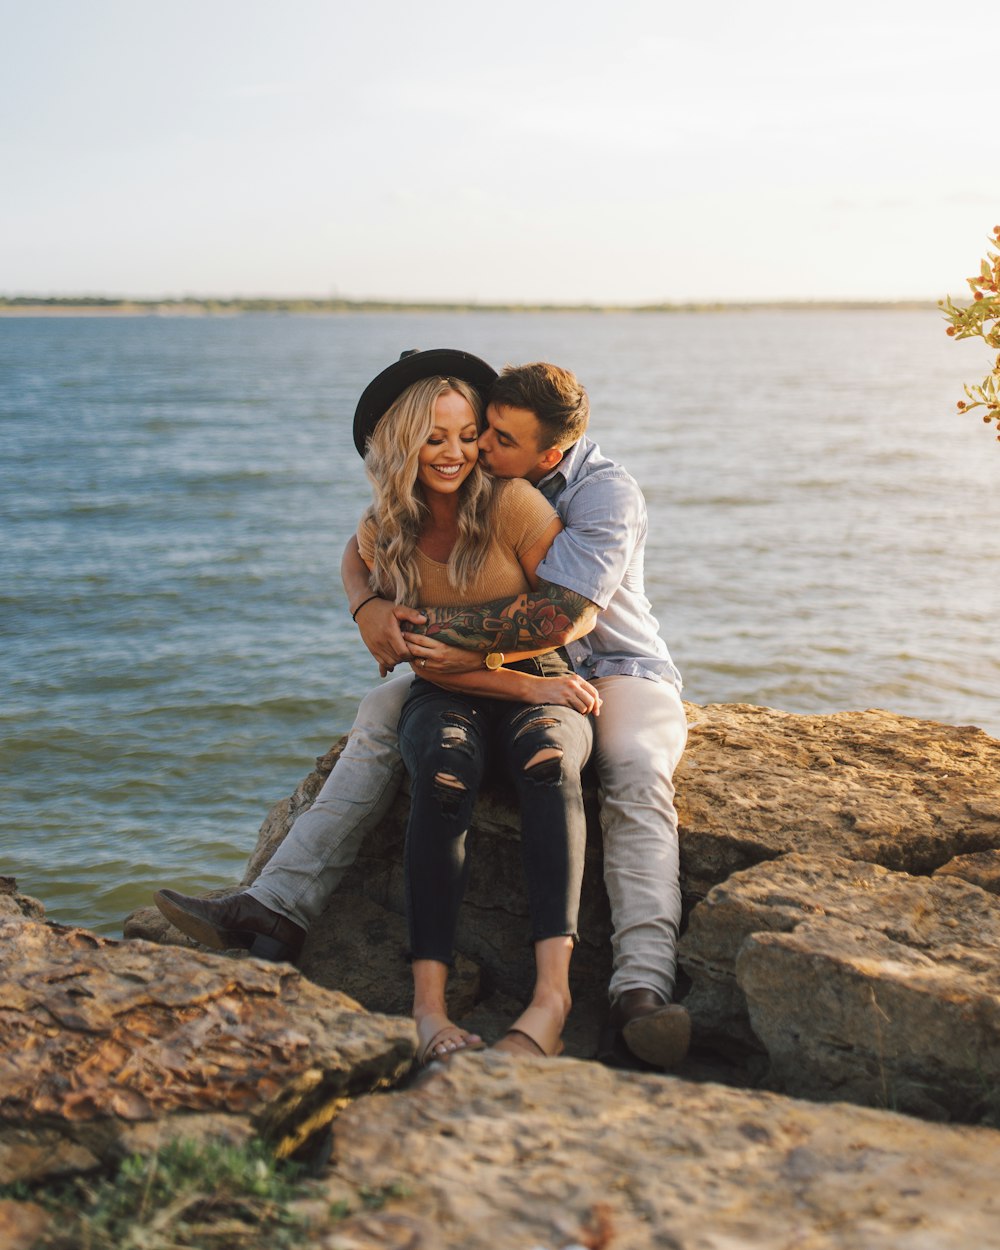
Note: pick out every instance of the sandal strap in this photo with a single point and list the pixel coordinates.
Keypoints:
(515, 1035)
(533, 1025)
(427, 1054)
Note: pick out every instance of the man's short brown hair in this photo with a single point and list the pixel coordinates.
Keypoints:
(554, 395)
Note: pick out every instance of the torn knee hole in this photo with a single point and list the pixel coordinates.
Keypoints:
(545, 766)
(447, 780)
(449, 794)
(454, 734)
(536, 722)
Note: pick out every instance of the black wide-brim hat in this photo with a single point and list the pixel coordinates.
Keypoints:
(413, 366)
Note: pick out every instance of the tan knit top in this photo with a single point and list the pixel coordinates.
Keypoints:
(522, 515)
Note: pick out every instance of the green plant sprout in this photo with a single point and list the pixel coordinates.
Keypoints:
(206, 1197)
(981, 319)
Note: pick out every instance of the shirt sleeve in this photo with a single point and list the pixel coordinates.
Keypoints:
(366, 539)
(604, 520)
(525, 515)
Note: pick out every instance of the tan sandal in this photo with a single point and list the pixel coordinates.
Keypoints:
(427, 1055)
(524, 1036)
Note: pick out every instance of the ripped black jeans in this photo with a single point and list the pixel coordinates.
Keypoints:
(446, 740)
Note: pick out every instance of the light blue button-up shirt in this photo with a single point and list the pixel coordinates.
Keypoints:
(599, 554)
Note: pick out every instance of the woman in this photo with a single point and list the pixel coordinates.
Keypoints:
(441, 531)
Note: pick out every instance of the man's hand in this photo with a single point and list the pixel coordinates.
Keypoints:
(569, 690)
(377, 619)
(379, 623)
(432, 658)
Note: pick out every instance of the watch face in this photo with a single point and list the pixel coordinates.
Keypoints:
(494, 660)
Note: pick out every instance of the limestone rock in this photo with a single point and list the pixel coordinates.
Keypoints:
(361, 949)
(13, 903)
(22, 1224)
(859, 982)
(808, 940)
(33, 1151)
(501, 1154)
(756, 783)
(848, 1013)
(145, 1137)
(98, 1036)
(982, 868)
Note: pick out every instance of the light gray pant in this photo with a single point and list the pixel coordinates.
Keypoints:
(324, 842)
(639, 738)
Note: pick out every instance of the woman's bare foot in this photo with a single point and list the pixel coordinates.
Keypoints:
(439, 1039)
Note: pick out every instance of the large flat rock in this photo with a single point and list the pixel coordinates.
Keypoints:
(982, 868)
(817, 935)
(860, 983)
(100, 1038)
(756, 783)
(506, 1155)
(13, 903)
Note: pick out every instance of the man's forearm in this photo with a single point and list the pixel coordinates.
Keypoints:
(354, 574)
(549, 616)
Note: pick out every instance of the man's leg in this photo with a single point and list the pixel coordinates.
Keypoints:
(272, 916)
(324, 842)
(639, 739)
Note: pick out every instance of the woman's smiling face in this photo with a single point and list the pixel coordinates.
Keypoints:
(452, 447)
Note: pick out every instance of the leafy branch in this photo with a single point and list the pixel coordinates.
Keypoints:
(980, 319)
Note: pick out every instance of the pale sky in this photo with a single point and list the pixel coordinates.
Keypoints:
(636, 151)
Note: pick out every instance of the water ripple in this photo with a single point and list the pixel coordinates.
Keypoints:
(176, 495)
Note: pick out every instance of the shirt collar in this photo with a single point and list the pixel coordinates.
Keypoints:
(553, 483)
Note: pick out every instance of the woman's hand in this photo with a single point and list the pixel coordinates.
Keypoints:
(568, 690)
(430, 657)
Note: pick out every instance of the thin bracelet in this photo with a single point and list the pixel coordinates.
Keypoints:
(354, 614)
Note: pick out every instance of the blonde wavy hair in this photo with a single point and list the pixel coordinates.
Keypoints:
(399, 510)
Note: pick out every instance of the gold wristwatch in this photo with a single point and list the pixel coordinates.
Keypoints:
(493, 660)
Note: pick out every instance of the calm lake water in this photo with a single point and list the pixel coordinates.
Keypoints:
(176, 494)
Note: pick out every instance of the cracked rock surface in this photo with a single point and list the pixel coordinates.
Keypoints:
(503, 1155)
(898, 797)
(99, 1037)
(842, 934)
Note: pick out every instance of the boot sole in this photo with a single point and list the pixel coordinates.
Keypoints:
(662, 1038)
(200, 929)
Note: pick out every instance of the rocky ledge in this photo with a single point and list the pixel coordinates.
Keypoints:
(840, 876)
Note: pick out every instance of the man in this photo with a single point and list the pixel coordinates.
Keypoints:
(592, 580)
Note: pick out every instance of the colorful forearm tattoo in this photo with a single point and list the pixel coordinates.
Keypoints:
(539, 618)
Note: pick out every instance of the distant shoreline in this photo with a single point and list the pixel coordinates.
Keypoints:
(25, 306)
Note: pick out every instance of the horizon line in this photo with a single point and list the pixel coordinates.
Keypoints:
(294, 303)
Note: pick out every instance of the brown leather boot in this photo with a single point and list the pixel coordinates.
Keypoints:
(643, 1032)
(236, 920)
